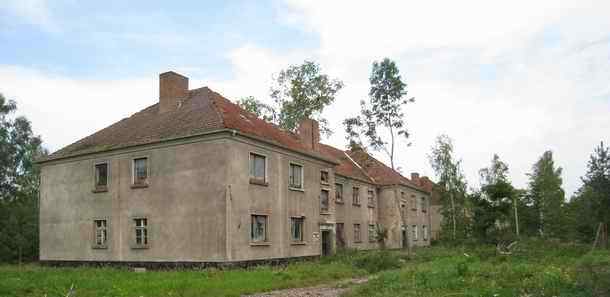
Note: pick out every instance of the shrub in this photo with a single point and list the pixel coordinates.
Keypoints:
(594, 272)
(377, 261)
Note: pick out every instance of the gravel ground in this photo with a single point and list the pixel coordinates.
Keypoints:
(333, 290)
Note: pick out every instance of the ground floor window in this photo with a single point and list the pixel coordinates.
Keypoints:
(258, 230)
(141, 229)
(414, 230)
(372, 233)
(101, 232)
(424, 231)
(357, 233)
(296, 228)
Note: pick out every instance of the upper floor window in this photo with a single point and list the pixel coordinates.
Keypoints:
(423, 204)
(295, 178)
(371, 198)
(324, 201)
(258, 228)
(413, 202)
(338, 193)
(140, 171)
(296, 229)
(101, 233)
(356, 196)
(141, 229)
(324, 177)
(258, 170)
(101, 176)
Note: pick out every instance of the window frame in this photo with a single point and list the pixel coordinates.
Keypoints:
(106, 231)
(253, 179)
(415, 232)
(301, 220)
(424, 204)
(339, 194)
(265, 240)
(413, 202)
(370, 197)
(356, 195)
(372, 233)
(146, 234)
(327, 210)
(99, 188)
(424, 231)
(302, 181)
(322, 172)
(133, 172)
(358, 235)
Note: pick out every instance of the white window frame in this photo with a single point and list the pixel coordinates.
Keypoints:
(357, 188)
(415, 232)
(424, 231)
(302, 186)
(145, 234)
(253, 179)
(105, 231)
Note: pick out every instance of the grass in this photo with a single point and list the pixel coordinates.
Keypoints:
(535, 269)
(34, 280)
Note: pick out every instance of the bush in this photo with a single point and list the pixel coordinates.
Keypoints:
(377, 261)
(594, 272)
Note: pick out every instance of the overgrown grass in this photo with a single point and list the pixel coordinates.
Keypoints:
(33, 280)
(536, 268)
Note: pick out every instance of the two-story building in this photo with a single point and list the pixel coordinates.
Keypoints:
(196, 179)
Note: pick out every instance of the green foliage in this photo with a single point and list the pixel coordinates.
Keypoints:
(451, 186)
(547, 196)
(301, 92)
(371, 261)
(384, 109)
(594, 272)
(260, 109)
(18, 186)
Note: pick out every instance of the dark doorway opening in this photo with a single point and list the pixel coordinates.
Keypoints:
(404, 238)
(326, 243)
(340, 238)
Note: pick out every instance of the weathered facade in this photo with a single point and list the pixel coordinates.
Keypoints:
(196, 179)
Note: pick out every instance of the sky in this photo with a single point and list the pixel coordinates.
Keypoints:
(514, 78)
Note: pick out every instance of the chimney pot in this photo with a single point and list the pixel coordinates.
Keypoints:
(309, 133)
(173, 88)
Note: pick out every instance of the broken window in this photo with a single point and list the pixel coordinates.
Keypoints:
(257, 167)
(324, 201)
(258, 230)
(140, 171)
(141, 228)
(101, 232)
(340, 235)
(371, 198)
(338, 193)
(356, 196)
(424, 231)
(101, 176)
(296, 228)
(415, 233)
(423, 204)
(357, 233)
(295, 176)
(324, 177)
(372, 233)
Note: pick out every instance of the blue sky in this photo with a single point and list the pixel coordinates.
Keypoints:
(514, 78)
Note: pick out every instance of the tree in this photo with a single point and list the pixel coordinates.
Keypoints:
(18, 185)
(260, 109)
(494, 203)
(384, 109)
(451, 185)
(591, 203)
(547, 195)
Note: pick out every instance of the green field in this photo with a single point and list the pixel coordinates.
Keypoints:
(534, 269)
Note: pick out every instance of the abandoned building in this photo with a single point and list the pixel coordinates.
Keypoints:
(195, 178)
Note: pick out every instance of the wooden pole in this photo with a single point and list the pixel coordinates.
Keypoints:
(516, 216)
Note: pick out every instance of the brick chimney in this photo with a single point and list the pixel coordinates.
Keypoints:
(415, 178)
(309, 133)
(426, 183)
(173, 88)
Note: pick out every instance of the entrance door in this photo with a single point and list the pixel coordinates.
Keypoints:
(326, 243)
(404, 238)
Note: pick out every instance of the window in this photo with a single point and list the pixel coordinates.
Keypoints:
(324, 201)
(423, 204)
(101, 176)
(101, 233)
(140, 171)
(413, 202)
(372, 233)
(340, 235)
(424, 231)
(414, 230)
(357, 233)
(371, 198)
(296, 229)
(324, 177)
(141, 228)
(356, 196)
(258, 230)
(258, 172)
(295, 179)
(338, 193)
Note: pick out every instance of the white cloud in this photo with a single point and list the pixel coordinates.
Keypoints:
(34, 12)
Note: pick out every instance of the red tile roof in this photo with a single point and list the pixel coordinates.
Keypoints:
(347, 167)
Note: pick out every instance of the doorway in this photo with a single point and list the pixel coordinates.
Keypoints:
(326, 243)
(404, 238)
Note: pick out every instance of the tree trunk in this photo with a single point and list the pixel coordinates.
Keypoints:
(516, 216)
(453, 215)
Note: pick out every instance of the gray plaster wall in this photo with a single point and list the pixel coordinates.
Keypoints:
(349, 213)
(184, 204)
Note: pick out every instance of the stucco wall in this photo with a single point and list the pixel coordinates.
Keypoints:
(184, 204)
(349, 214)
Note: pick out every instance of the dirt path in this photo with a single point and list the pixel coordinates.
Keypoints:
(332, 290)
